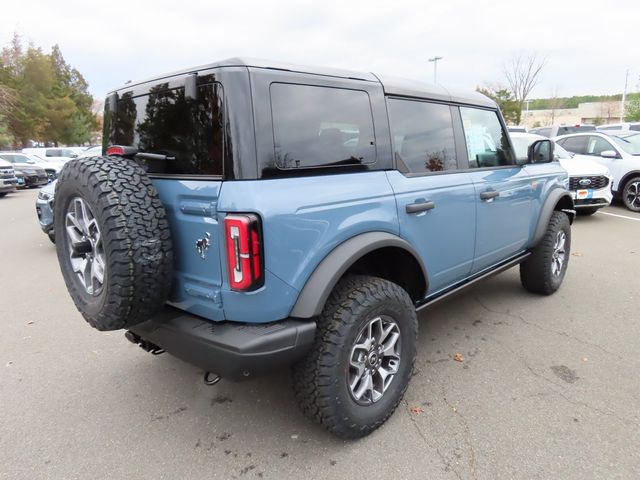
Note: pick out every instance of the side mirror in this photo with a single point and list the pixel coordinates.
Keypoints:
(540, 151)
(609, 154)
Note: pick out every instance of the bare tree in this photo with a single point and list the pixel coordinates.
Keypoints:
(522, 73)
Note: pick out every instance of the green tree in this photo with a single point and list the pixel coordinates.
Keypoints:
(506, 101)
(52, 103)
(632, 110)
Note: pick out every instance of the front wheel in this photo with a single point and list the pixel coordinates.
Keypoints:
(631, 194)
(359, 367)
(546, 267)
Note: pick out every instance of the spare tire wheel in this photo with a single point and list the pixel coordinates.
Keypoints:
(113, 241)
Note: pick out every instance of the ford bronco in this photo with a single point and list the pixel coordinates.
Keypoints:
(246, 216)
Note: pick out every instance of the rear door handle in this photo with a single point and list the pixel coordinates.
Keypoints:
(489, 195)
(420, 207)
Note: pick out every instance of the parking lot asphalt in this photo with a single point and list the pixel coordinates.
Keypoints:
(548, 387)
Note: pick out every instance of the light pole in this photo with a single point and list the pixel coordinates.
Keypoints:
(435, 68)
(624, 96)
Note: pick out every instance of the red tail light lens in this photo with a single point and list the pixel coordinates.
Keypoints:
(244, 251)
(115, 150)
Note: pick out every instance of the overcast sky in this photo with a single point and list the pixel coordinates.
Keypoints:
(588, 44)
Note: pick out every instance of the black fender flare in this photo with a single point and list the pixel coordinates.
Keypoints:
(548, 208)
(326, 275)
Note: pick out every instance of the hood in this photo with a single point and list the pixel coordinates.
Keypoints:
(581, 165)
(4, 163)
(50, 188)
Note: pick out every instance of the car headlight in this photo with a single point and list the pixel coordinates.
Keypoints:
(45, 196)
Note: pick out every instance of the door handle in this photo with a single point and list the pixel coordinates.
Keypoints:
(489, 195)
(420, 207)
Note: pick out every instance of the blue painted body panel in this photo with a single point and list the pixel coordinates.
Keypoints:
(191, 209)
(305, 218)
(445, 236)
(503, 227)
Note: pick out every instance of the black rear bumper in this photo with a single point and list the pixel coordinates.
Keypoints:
(232, 350)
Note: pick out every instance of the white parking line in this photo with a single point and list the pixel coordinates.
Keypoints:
(620, 216)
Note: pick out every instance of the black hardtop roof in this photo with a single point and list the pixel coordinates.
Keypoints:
(391, 85)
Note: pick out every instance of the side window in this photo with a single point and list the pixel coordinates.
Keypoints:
(574, 144)
(423, 135)
(597, 145)
(635, 128)
(487, 142)
(51, 152)
(321, 126)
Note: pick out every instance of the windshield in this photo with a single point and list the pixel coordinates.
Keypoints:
(629, 143)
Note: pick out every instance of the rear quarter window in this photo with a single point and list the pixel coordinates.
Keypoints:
(317, 126)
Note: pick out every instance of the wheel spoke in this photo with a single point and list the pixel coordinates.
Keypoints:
(83, 232)
(366, 385)
(390, 345)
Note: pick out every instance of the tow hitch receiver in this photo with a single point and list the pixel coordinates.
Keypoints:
(143, 344)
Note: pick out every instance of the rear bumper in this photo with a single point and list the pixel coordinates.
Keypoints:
(235, 351)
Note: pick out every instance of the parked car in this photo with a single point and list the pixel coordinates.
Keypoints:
(32, 174)
(589, 182)
(91, 152)
(619, 152)
(628, 127)
(7, 178)
(63, 154)
(44, 209)
(259, 233)
(555, 130)
(517, 129)
(51, 167)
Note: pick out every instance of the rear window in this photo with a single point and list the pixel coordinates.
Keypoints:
(321, 126)
(189, 132)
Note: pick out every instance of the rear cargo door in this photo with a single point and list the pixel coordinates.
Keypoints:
(191, 207)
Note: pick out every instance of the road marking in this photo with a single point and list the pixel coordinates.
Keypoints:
(620, 216)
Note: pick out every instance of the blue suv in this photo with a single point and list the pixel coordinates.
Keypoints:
(247, 216)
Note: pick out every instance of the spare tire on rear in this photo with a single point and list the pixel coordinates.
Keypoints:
(113, 241)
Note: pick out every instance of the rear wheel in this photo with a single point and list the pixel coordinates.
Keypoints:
(360, 365)
(2, 194)
(631, 194)
(546, 267)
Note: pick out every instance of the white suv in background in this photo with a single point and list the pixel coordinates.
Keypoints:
(619, 152)
(589, 182)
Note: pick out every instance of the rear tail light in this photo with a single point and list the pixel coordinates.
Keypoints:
(115, 150)
(121, 150)
(244, 251)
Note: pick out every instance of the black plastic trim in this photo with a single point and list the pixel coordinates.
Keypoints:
(321, 282)
(235, 351)
(491, 271)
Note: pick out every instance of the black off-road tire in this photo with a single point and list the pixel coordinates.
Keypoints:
(633, 205)
(586, 212)
(2, 194)
(320, 379)
(536, 272)
(135, 237)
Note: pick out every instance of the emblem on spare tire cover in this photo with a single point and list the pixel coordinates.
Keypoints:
(585, 182)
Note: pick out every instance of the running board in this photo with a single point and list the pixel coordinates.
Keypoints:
(479, 276)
